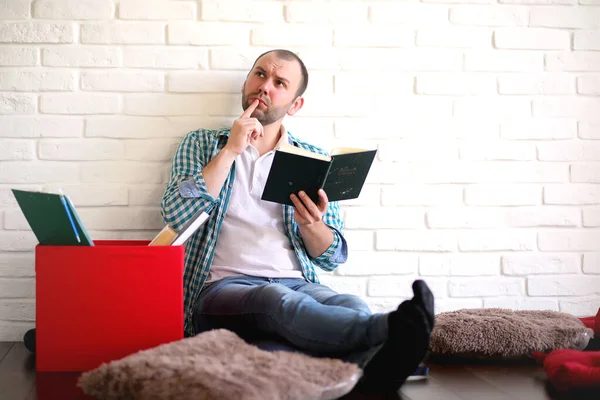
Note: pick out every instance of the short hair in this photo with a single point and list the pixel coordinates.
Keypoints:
(289, 56)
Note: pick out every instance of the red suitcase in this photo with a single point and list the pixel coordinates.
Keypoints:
(100, 303)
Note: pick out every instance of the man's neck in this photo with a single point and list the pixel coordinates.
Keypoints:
(272, 134)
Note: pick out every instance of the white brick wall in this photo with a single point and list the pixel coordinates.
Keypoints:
(485, 114)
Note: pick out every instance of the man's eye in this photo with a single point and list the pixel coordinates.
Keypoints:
(280, 83)
(260, 74)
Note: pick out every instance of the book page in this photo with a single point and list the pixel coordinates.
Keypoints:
(346, 150)
(290, 148)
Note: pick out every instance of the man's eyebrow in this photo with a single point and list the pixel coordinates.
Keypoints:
(281, 78)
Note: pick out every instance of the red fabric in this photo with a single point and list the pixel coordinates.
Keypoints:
(571, 369)
(593, 323)
(102, 303)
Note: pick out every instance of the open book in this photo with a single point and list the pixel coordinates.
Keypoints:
(169, 237)
(341, 175)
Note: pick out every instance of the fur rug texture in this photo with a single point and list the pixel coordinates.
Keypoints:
(496, 333)
(219, 365)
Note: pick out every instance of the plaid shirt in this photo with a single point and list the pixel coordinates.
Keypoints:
(186, 194)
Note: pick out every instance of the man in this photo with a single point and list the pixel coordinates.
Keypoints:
(251, 267)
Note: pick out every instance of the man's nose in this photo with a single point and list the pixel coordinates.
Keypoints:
(265, 87)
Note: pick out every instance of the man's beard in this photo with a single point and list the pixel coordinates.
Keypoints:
(268, 116)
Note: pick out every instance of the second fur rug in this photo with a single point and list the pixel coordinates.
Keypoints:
(497, 333)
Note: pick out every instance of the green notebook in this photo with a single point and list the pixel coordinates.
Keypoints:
(52, 218)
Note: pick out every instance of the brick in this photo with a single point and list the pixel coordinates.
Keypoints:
(496, 240)
(15, 220)
(569, 107)
(407, 150)
(80, 149)
(8, 199)
(573, 61)
(580, 307)
(14, 331)
(486, 287)
(381, 218)
(110, 172)
(161, 10)
(421, 195)
(207, 33)
(11, 103)
(591, 217)
(291, 35)
(16, 149)
(536, 84)
(165, 57)
(504, 61)
(141, 127)
(36, 80)
(121, 218)
(79, 103)
(589, 2)
(531, 38)
(123, 81)
(589, 129)
(517, 303)
(43, 172)
(586, 40)
(460, 37)
(146, 195)
(502, 195)
(18, 242)
(206, 81)
(585, 173)
(17, 310)
(492, 107)
(570, 151)
(591, 263)
(81, 56)
(538, 129)
(449, 305)
(123, 235)
(355, 286)
(570, 240)
(563, 286)
(461, 218)
(17, 288)
(40, 126)
(376, 36)
(36, 32)
(92, 195)
(73, 9)
(530, 264)
(498, 151)
(227, 58)
(304, 12)
(369, 263)
(401, 59)
(17, 265)
(402, 286)
(456, 84)
(460, 1)
(537, 2)
(15, 9)
(572, 194)
(150, 150)
(459, 264)
(18, 56)
(123, 33)
(359, 240)
(416, 240)
(165, 104)
(527, 217)
(565, 17)
(360, 82)
(477, 15)
(588, 85)
(413, 14)
(261, 11)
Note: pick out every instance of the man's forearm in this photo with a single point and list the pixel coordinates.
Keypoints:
(216, 171)
(317, 238)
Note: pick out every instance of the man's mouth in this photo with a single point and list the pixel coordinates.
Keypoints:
(259, 100)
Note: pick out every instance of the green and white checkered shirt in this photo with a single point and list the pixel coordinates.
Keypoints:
(186, 194)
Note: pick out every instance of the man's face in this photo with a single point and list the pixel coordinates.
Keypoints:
(274, 82)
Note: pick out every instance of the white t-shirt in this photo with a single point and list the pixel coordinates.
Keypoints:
(252, 240)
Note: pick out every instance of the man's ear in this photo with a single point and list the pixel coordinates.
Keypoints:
(296, 106)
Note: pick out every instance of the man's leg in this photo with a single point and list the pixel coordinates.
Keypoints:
(242, 303)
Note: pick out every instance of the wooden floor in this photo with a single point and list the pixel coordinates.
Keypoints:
(20, 381)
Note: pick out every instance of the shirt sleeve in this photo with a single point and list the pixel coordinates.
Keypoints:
(337, 253)
(186, 192)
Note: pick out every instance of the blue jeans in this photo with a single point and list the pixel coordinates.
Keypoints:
(292, 314)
